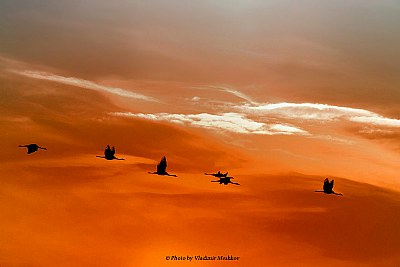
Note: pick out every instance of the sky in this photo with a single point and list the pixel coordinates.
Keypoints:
(281, 94)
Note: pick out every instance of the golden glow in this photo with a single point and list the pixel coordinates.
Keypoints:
(280, 95)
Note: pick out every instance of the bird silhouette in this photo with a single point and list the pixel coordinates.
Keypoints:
(162, 168)
(32, 148)
(218, 174)
(328, 188)
(225, 180)
(109, 154)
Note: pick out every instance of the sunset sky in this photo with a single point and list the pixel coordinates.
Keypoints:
(279, 93)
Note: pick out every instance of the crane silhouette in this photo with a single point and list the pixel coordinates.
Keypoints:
(162, 168)
(109, 154)
(225, 179)
(32, 148)
(218, 174)
(328, 188)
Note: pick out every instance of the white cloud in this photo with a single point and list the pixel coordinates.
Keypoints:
(320, 112)
(227, 90)
(235, 93)
(262, 115)
(83, 84)
(306, 111)
(281, 128)
(377, 120)
(232, 122)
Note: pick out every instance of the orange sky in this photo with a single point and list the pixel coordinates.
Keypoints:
(279, 94)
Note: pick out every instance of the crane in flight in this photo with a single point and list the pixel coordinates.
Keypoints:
(223, 178)
(109, 154)
(162, 168)
(32, 148)
(328, 188)
(218, 174)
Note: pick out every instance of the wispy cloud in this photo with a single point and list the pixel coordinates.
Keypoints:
(320, 112)
(274, 118)
(377, 120)
(304, 115)
(309, 111)
(83, 84)
(229, 90)
(231, 122)
(303, 111)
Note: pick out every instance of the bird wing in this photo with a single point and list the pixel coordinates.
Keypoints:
(326, 185)
(108, 153)
(162, 166)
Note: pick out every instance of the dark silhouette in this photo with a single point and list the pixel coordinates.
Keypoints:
(225, 180)
(109, 154)
(218, 174)
(328, 188)
(162, 168)
(33, 148)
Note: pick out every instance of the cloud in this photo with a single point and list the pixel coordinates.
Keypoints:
(83, 84)
(227, 90)
(307, 111)
(377, 120)
(301, 115)
(231, 122)
(320, 112)
(287, 118)
(302, 111)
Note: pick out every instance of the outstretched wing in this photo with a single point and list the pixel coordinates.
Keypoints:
(327, 185)
(162, 166)
(331, 185)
